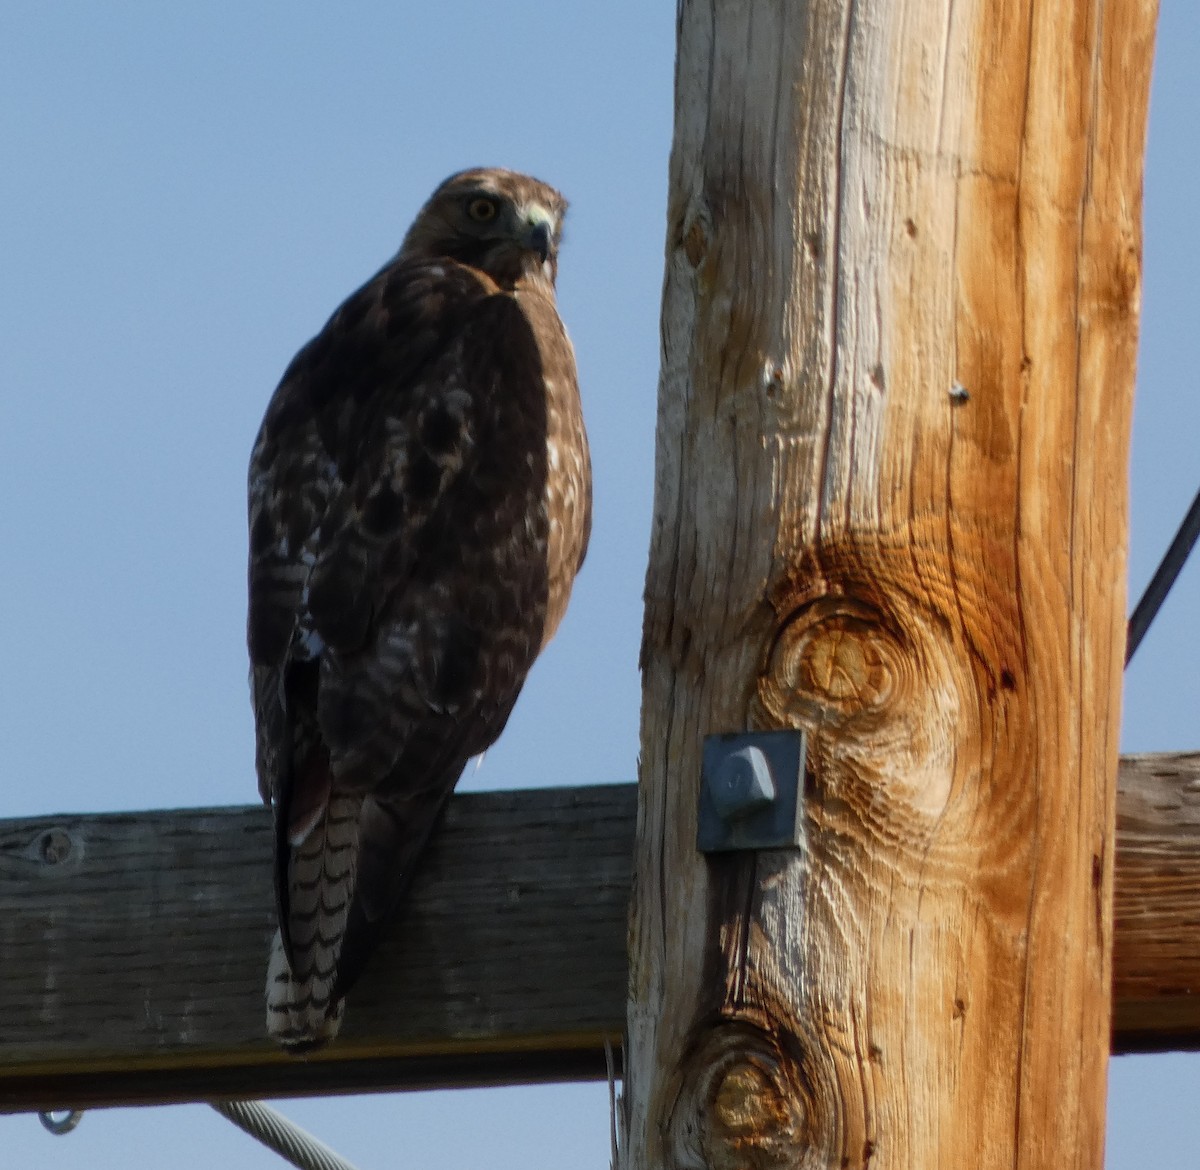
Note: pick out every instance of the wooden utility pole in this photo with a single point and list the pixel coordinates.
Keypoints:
(899, 328)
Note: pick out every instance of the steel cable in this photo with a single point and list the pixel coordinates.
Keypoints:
(287, 1139)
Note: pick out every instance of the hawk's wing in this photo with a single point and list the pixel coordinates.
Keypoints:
(364, 485)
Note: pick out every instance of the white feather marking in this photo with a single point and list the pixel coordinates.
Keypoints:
(291, 1018)
(301, 1008)
(298, 833)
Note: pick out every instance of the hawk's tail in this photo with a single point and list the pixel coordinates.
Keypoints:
(303, 1008)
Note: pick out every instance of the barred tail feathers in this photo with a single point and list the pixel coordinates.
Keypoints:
(303, 1009)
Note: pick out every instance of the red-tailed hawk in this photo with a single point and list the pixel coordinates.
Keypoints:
(420, 502)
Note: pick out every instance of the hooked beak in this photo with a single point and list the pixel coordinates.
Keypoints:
(537, 239)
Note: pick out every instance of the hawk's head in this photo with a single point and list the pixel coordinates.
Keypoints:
(503, 223)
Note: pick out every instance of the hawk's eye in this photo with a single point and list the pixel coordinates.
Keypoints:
(481, 209)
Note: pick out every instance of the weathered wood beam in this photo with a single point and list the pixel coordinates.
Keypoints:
(1156, 913)
(132, 959)
(133, 952)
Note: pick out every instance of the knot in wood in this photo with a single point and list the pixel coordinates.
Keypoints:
(54, 846)
(835, 657)
(695, 242)
(740, 1107)
(841, 662)
(750, 1121)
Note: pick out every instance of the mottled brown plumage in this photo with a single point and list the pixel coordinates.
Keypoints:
(420, 499)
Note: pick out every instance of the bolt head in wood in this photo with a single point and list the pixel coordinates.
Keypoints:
(750, 791)
(741, 783)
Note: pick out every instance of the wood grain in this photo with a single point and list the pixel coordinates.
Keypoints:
(899, 324)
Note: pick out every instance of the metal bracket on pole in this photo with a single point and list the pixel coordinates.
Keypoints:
(750, 791)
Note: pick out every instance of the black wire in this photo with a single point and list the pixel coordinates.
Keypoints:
(1164, 577)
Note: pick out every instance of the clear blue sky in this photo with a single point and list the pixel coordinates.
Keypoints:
(186, 191)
